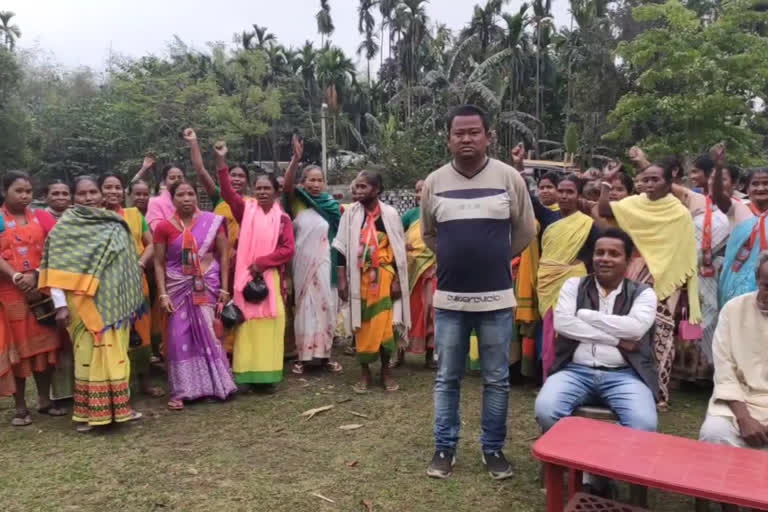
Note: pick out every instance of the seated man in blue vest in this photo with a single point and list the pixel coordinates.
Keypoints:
(603, 355)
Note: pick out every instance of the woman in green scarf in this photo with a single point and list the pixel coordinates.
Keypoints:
(316, 218)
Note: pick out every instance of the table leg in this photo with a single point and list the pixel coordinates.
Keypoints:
(553, 476)
(575, 477)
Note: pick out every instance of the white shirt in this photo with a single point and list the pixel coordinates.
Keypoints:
(59, 298)
(600, 331)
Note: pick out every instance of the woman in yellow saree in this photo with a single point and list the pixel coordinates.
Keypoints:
(92, 271)
(567, 243)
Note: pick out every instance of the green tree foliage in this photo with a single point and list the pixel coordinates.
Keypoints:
(669, 76)
(694, 83)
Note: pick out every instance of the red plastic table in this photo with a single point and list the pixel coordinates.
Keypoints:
(675, 464)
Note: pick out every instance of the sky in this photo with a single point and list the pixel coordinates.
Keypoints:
(83, 32)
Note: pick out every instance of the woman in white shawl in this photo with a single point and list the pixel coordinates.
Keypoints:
(373, 276)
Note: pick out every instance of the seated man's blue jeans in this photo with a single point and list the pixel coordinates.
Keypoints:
(575, 385)
(494, 332)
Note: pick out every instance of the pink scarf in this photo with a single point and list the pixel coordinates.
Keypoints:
(160, 208)
(259, 233)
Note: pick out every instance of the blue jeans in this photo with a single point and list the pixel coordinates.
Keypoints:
(575, 385)
(494, 332)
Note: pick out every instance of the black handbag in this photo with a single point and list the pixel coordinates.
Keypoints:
(256, 290)
(44, 311)
(134, 340)
(231, 316)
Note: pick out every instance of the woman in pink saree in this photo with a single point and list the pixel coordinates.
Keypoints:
(192, 279)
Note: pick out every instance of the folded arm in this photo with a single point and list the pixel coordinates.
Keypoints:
(631, 326)
(570, 325)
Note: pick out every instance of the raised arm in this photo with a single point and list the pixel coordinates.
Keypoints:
(197, 162)
(147, 164)
(234, 200)
(289, 186)
(719, 197)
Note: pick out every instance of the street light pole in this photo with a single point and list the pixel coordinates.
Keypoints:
(323, 138)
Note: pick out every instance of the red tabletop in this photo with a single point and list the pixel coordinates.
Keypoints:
(675, 464)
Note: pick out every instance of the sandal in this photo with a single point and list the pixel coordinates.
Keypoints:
(21, 419)
(298, 368)
(349, 350)
(52, 410)
(154, 392)
(390, 385)
(135, 415)
(334, 367)
(361, 388)
(84, 428)
(175, 405)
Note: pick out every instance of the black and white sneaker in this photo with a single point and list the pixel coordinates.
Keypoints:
(442, 464)
(497, 465)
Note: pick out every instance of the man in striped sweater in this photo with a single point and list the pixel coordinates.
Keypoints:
(476, 215)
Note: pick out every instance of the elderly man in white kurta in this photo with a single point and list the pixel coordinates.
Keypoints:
(738, 410)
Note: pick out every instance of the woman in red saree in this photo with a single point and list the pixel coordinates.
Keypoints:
(31, 348)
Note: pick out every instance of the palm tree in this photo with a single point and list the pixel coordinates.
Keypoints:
(411, 20)
(542, 10)
(483, 24)
(263, 36)
(365, 25)
(324, 21)
(387, 10)
(333, 70)
(307, 60)
(11, 32)
(245, 39)
(370, 48)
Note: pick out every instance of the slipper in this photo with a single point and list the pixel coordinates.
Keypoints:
(21, 419)
(361, 388)
(154, 392)
(334, 367)
(84, 428)
(175, 405)
(52, 410)
(135, 415)
(391, 386)
(297, 368)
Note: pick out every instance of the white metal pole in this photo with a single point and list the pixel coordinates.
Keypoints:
(323, 136)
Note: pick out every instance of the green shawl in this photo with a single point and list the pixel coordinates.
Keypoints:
(90, 253)
(328, 208)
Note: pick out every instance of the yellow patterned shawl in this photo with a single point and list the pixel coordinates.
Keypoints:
(664, 234)
(560, 245)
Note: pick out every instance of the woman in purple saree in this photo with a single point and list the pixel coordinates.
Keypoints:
(192, 280)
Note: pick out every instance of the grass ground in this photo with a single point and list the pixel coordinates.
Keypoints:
(256, 453)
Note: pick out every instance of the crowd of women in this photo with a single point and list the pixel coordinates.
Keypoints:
(93, 292)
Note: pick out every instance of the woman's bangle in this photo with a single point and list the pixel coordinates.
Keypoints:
(224, 291)
(163, 295)
(16, 277)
